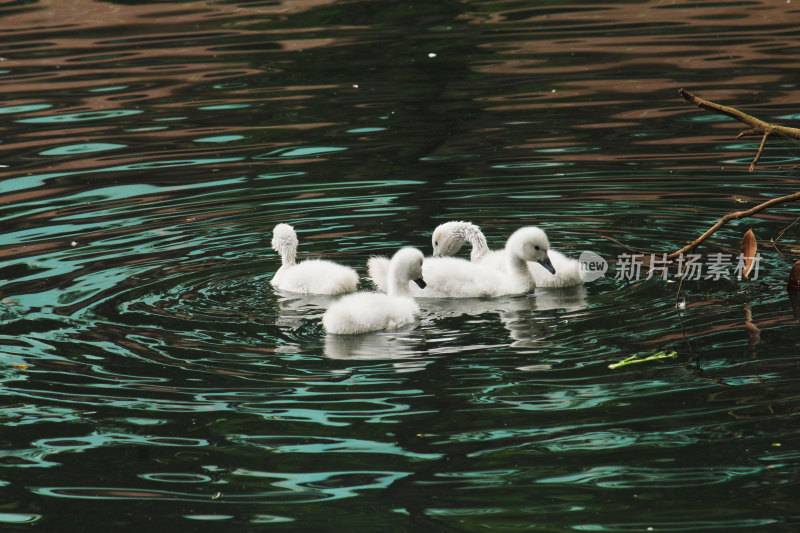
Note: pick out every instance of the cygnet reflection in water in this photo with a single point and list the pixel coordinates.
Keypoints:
(294, 309)
(548, 308)
(379, 345)
(522, 316)
(566, 298)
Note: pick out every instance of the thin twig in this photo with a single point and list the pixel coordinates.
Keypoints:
(681, 274)
(734, 216)
(615, 241)
(760, 150)
(784, 230)
(757, 126)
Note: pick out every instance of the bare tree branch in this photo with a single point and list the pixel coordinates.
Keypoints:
(757, 126)
(736, 215)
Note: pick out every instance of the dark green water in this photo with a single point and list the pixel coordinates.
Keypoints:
(151, 378)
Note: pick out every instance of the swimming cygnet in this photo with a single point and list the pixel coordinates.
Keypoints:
(450, 277)
(363, 312)
(312, 276)
(448, 238)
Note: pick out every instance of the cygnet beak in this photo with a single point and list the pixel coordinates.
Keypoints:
(420, 283)
(548, 265)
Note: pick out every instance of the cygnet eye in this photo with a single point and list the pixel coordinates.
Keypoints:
(536, 246)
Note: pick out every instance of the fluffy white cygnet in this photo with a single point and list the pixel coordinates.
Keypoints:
(448, 238)
(312, 276)
(363, 312)
(450, 277)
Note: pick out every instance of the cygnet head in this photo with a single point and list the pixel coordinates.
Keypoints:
(284, 241)
(531, 244)
(448, 238)
(405, 266)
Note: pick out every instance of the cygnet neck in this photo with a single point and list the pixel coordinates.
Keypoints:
(398, 282)
(288, 257)
(473, 235)
(518, 266)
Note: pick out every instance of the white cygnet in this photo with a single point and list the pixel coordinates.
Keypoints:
(448, 238)
(363, 312)
(450, 277)
(312, 276)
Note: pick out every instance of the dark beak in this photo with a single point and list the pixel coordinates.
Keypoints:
(420, 283)
(548, 265)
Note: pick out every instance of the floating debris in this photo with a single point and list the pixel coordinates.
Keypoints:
(658, 356)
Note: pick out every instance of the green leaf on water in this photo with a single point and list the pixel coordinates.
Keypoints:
(658, 356)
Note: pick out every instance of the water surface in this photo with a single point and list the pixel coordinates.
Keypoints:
(153, 378)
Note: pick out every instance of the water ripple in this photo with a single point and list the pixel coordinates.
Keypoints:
(625, 477)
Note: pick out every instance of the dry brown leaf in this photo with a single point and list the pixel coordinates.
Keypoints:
(749, 246)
